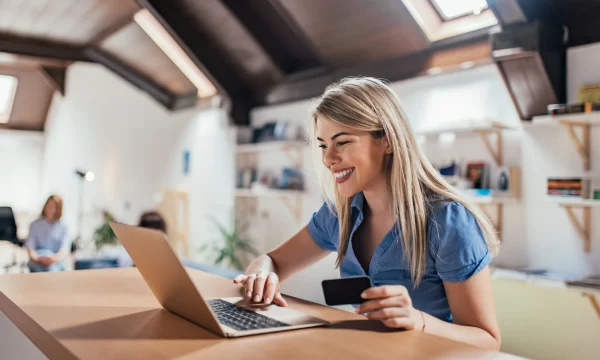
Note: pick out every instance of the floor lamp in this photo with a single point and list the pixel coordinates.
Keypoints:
(87, 176)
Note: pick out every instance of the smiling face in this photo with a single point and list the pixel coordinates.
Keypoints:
(355, 158)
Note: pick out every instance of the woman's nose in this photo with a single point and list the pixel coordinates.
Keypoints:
(330, 157)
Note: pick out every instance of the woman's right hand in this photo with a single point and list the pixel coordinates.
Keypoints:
(261, 286)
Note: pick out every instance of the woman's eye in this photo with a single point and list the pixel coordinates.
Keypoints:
(323, 146)
(340, 143)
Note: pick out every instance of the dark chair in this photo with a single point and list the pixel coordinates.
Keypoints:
(96, 263)
(8, 226)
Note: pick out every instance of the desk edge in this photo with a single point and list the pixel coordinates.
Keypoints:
(43, 340)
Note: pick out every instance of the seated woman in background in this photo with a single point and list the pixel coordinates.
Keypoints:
(48, 244)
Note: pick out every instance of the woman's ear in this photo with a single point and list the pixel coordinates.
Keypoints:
(388, 146)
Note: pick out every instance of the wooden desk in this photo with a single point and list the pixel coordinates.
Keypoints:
(112, 314)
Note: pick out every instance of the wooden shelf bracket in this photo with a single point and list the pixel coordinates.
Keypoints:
(294, 205)
(497, 153)
(499, 218)
(246, 205)
(582, 228)
(594, 302)
(581, 145)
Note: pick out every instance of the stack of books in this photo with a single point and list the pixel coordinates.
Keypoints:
(592, 282)
(576, 187)
(582, 107)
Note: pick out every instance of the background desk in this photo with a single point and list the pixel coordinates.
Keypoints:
(111, 313)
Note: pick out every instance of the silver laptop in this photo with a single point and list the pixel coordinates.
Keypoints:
(173, 288)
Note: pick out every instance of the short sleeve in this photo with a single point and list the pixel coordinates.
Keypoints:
(323, 228)
(31, 242)
(458, 244)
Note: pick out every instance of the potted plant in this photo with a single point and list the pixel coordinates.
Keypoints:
(104, 234)
(232, 248)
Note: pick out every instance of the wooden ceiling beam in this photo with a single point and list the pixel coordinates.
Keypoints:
(56, 77)
(41, 49)
(277, 33)
(205, 54)
(161, 94)
(443, 58)
(112, 29)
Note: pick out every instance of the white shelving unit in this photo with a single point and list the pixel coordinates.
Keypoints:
(294, 150)
(582, 142)
(583, 227)
(270, 146)
(591, 118)
(489, 131)
(267, 193)
(574, 201)
(570, 122)
(471, 128)
(494, 199)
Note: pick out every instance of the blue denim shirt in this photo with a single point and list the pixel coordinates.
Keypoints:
(457, 251)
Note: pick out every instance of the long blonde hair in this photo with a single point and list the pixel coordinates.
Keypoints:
(367, 104)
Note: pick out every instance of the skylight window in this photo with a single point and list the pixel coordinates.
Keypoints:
(8, 85)
(452, 9)
(442, 19)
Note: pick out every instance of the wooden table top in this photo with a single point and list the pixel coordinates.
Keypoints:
(111, 313)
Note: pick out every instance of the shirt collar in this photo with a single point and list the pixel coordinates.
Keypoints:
(358, 202)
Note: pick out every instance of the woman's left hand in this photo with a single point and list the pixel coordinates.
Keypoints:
(392, 305)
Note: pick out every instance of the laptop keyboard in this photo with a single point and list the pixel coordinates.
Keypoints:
(239, 318)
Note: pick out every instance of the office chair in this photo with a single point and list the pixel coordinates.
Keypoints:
(8, 232)
(8, 226)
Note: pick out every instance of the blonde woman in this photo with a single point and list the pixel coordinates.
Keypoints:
(393, 218)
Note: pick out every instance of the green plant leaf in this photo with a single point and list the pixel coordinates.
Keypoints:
(232, 246)
(221, 257)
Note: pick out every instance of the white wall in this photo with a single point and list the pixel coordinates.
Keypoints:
(21, 154)
(536, 233)
(134, 146)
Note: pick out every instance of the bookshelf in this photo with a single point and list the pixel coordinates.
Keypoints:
(497, 202)
(570, 122)
(490, 132)
(250, 154)
(583, 227)
(270, 146)
(267, 193)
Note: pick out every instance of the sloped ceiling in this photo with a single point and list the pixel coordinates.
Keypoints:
(260, 52)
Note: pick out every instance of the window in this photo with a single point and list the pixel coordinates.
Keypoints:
(8, 85)
(442, 19)
(452, 9)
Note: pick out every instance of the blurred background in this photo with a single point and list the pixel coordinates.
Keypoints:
(192, 117)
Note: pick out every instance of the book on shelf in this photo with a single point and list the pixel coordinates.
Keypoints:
(592, 282)
(570, 187)
(573, 108)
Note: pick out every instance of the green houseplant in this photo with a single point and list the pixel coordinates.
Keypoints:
(104, 234)
(232, 247)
